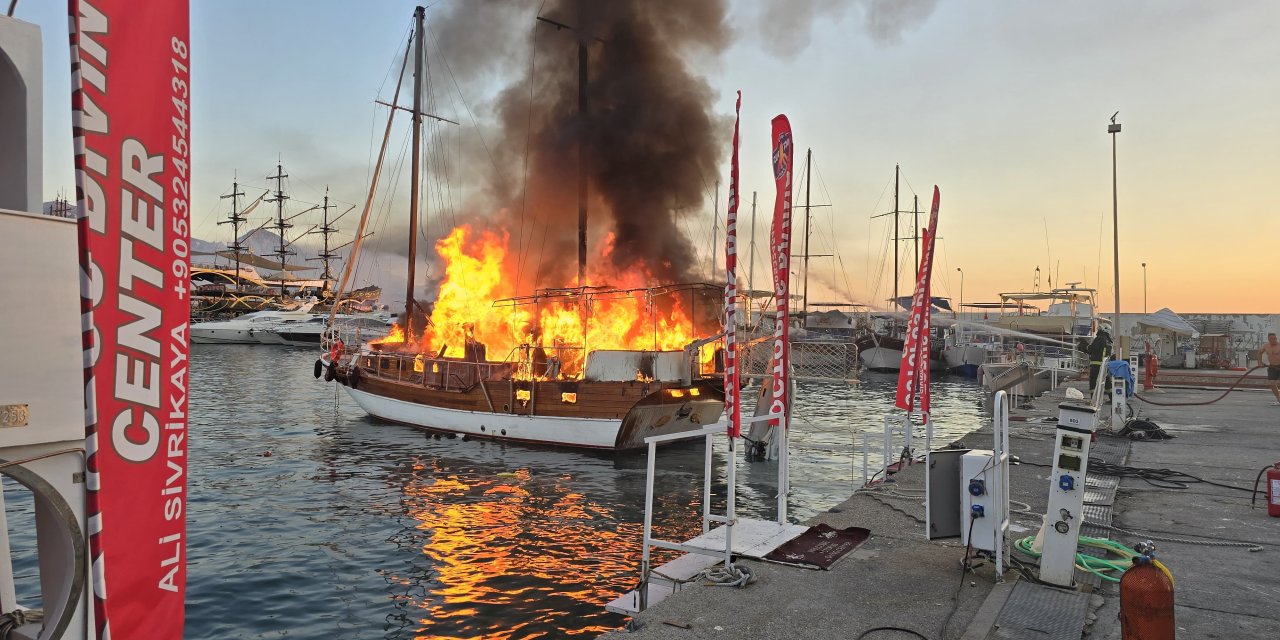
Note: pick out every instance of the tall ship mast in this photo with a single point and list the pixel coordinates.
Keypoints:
(281, 225)
(327, 255)
(235, 219)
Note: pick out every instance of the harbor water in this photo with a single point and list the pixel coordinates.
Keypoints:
(308, 519)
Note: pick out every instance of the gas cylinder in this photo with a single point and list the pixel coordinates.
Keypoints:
(1146, 602)
(1273, 491)
(1153, 367)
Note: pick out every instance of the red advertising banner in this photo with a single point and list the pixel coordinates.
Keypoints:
(732, 400)
(913, 376)
(780, 255)
(130, 118)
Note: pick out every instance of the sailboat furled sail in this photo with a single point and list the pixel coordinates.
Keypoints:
(913, 374)
(132, 160)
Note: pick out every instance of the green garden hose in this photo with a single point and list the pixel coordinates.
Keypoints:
(1100, 567)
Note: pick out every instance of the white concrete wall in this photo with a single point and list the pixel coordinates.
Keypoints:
(21, 116)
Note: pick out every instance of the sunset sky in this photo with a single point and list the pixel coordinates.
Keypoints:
(1004, 105)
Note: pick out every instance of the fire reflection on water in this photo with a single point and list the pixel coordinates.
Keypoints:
(512, 540)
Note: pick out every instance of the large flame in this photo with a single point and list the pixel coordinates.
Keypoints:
(476, 275)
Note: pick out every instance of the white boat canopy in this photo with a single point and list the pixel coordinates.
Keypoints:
(1166, 321)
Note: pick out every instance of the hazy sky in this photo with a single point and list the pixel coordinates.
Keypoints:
(1004, 105)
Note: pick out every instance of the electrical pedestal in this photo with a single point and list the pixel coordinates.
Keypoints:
(1119, 402)
(1061, 530)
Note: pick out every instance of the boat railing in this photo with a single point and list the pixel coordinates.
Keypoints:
(729, 519)
(823, 361)
(447, 374)
(1040, 356)
(898, 428)
(464, 374)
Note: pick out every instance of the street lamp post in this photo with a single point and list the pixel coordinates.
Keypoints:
(961, 288)
(1113, 129)
(1144, 287)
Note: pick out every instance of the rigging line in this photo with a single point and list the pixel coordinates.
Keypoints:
(831, 218)
(437, 147)
(373, 114)
(875, 210)
(1048, 249)
(393, 185)
(909, 187)
(528, 135)
(432, 170)
(456, 87)
(441, 143)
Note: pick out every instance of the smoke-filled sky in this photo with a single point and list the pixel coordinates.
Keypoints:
(1004, 105)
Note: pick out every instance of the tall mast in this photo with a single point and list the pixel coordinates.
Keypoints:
(751, 265)
(280, 224)
(915, 230)
(235, 220)
(582, 160)
(325, 230)
(419, 15)
(715, 229)
(583, 60)
(808, 184)
(895, 234)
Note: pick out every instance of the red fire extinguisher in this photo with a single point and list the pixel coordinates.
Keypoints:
(1272, 490)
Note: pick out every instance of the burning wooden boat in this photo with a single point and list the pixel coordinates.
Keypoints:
(547, 389)
(602, 365)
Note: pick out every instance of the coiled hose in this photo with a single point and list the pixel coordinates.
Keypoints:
(1101, 567)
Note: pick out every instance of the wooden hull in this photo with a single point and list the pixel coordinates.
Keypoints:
(601, 415)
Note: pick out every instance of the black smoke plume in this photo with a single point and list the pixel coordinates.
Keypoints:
(652, 143)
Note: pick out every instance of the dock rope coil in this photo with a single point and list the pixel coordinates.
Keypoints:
(10, 622)
(737, 575)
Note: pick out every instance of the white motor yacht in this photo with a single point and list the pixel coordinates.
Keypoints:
(245, 329)
(309, 333)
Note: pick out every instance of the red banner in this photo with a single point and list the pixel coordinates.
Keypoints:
(732, 400)
(913, 376)
(130, 117)
(780, 254)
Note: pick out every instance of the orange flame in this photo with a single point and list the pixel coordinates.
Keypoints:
(476, 274)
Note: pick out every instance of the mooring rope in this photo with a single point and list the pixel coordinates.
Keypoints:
(1204, 543)
(1197, 404)
(737, 575)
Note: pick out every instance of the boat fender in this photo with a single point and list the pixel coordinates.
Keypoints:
(330, 373)
(353, 378)
(319, 369)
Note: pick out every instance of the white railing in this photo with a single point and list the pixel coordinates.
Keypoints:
(811, 361)
(1000, 474)
(729, 519)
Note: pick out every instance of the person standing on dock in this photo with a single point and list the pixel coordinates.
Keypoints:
(1098, 350)
(1269, 354)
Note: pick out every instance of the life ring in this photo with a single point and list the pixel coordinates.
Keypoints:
(319, 368)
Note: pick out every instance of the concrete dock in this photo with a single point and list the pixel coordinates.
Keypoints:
(899, 581)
